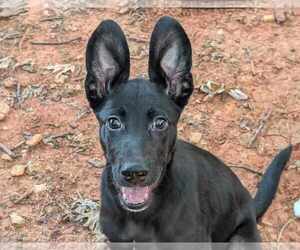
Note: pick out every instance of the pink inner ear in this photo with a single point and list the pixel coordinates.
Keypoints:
(170, 61)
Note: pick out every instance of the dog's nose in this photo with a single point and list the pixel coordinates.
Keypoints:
(134, 174)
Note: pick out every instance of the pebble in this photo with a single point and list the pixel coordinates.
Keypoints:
(18, 170)
(4, 109)
(34, 140)
(16, 219)
(196, 137)
(6, 157)
(9, 82)
(268, 18)
(96, 163)
(297, 208)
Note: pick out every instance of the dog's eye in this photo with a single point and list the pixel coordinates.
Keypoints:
(160, 123)
(114, 123)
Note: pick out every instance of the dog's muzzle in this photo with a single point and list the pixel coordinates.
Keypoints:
(135, 199)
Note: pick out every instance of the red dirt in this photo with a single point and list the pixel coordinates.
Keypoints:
(273, 82)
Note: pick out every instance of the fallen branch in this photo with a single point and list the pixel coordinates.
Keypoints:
(56, 43)
(262, 124)
(282, 230)
(247, 169)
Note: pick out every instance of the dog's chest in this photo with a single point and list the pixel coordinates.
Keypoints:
(139, 231)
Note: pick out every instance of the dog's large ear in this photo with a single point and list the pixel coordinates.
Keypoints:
(107, 61)
(170, 60)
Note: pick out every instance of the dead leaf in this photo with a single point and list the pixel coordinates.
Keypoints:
(27, 66)
(6, 62)
(16, 219)
(196, 137)
(6, 157)
(211, 88)
(9, 82)
(62, 70)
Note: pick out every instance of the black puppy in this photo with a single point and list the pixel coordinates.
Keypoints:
(156, 188)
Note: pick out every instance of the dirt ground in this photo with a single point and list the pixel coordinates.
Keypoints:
(43, 85)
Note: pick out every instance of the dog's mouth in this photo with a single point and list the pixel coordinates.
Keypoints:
(135, 199)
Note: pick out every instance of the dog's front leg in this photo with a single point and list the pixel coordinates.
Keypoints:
(246, 237)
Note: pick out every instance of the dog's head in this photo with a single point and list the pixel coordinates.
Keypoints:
(138, 118)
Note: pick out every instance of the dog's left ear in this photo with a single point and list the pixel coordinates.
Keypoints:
(170, 60)
(107, 62)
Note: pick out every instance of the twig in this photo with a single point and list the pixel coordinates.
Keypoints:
(80, 78)
(18, 145)
(278, 135)
(56, 43)
(249, 57)
(51, 18)
(23, 38)
(138, 40)
(18, 93)
(262, 123)
(247, 169)
(7, 150)
(24, 196)
(282, 230)
(82, 113)
(61, 135)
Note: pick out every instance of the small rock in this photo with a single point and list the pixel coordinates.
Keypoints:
(220, 36)
(268, 18)
(280, 15)
(39, 188)
(195, 137)
(123, 10)
(96, 163)
(18, 170)
(4, 109)
(237, 94)
(297, 164)
(16, 219)
(6, 157)
(34, 140)
(297, 208)
(9, 82)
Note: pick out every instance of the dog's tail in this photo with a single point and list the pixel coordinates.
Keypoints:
(269, 183)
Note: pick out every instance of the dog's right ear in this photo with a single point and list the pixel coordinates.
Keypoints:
(107, 61)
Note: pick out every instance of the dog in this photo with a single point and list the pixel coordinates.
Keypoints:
(155, 187)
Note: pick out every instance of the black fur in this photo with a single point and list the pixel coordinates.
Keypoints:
(194, 196)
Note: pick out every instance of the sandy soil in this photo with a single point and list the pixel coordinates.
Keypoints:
(231, 47)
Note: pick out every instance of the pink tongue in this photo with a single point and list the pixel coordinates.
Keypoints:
(135, 195)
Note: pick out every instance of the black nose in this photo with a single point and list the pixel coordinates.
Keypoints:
(134, 174)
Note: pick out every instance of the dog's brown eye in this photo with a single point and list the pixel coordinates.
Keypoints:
(160, 123)
(114, 123)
